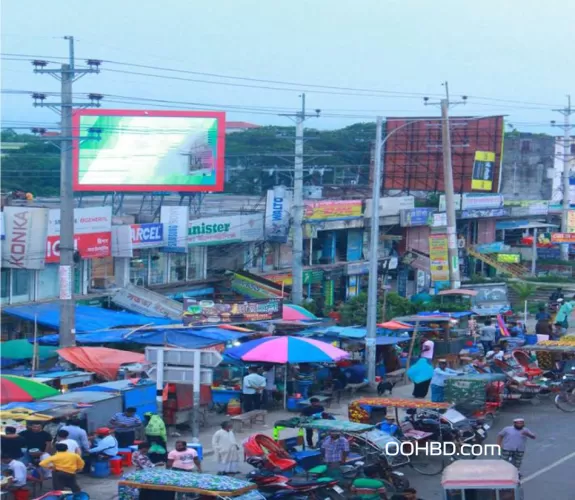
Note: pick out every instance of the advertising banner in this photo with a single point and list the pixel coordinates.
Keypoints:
(563, 237)
(495, 247)
(175, 221)
(278, 212)
(390, 206)
(416, 217)
(92, 233)
(24, 246)
(148, 303)
(252, 227)
(438, 255)
(332, 209)
(207, 312)
(309, 277)
(483, 171)
(131, 155)
(356, 268)
(2, 229)
(530, 207)
(439, 220)
(129, 237)
(354, 245)
(473, 201)
(509, 258)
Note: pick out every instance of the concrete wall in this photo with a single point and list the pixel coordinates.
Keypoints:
(527, 167)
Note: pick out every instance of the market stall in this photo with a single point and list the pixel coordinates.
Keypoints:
(162, 484)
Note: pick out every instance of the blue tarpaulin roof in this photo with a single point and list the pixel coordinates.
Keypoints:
(88, 318)
(32, 406)
(180, 337)
(349, 332)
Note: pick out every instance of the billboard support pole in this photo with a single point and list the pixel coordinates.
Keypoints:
(566, 126)
(67, 74)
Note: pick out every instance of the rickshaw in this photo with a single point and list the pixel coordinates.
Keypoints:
(481, 480)
(162, 484)
(475, 395)
(368, 446)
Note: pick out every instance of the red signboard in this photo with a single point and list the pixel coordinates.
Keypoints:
(90, 246)
(414, 158)
(563, 237)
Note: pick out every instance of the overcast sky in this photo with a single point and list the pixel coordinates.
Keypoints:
(513, 50)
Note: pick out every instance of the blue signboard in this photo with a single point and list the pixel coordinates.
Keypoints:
(143, 234)
(495, 247)
(511, 224)
(354, 245)
(402, 276)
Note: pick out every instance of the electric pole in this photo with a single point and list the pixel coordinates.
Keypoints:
(370, 346)
(298, 205)
(453, 264)
(566, 126)
(67, 75)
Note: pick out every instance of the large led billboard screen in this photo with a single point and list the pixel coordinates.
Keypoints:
(129, 150)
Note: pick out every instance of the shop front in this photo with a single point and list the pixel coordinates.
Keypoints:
(357, 278)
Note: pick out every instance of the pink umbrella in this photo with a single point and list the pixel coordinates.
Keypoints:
(291, 312)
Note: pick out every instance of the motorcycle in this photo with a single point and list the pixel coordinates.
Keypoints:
(275, 484)
(565, 399)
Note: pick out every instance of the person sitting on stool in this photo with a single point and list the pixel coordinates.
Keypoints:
(106, 445)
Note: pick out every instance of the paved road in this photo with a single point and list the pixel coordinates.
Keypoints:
(548, 466)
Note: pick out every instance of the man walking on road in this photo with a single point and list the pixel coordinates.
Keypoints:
(512, 441)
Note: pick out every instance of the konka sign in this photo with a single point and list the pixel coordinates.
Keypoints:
(23, 247)
(92, 233)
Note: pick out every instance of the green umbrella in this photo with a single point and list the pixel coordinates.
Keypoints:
(21, 389)
(22, 349)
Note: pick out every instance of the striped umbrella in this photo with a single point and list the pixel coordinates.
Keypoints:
(23, 390)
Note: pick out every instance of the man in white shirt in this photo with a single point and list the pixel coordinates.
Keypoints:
(63, 437)
(253, 386)
(18, 472)
(440, 375)
(495, 354)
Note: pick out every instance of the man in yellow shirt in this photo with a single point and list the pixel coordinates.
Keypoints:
(65, 465)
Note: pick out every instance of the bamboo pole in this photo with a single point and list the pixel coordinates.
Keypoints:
(411, 345)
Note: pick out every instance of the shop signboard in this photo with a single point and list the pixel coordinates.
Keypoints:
(571, 221)
(402, 276)
(469, 201)
(439, 220)
(549, 253)
(255, 287)
(278, 213)
(207, 312)
(484, 213)
(511, 224)
(524, 208)
(175, 221)
(483, 171)
(390, 206)
(225, 230)
(354, 245)
(355, 268)
(416, 217)
(438, 255)
(352, 286)
(563, 238)
(509, 258)
(495, 247)
(92, 233)
(24, 246)
(126, 238)
(310, 277)
(332, 209)
(146, 302)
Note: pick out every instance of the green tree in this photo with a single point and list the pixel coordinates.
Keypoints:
(354, 311)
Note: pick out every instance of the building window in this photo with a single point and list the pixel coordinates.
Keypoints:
(21, 285)
(195, 263)
(158, 264)
(178, 267)
(526, 146)
(572, 148)
(5, 289)
(48, 285)
(139, 268)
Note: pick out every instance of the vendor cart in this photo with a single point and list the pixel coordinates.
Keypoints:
(161, 484)
(481, 480)
(374, 410)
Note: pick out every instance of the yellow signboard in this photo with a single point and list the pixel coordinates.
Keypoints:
(332, 209)
(483, 170)
(439, 257)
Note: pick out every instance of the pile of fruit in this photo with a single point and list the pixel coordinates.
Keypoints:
(566, 340)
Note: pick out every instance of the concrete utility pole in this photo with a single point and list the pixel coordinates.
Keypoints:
(454, 274)
(298, 205)
(67, 75)
(566, 126)
(370, 339)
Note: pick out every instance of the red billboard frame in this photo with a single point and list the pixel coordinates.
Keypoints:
(221, 148)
